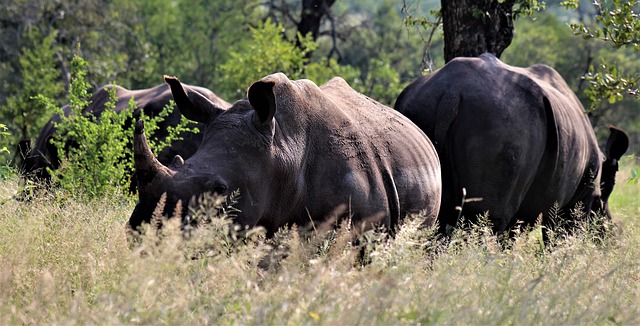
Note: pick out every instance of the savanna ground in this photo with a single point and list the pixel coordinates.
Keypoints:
(66, 261)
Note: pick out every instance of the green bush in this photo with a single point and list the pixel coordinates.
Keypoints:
(39, 75)
(152, 124)
(271, 51)
(266, 53)
(96, 152)
(3, 133)
(5, 169)
(93, 150)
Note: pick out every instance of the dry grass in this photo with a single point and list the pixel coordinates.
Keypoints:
(68, 262)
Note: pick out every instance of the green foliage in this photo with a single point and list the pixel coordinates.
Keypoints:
(543, 38)
(633, 179)
(268, 51)
(391, 47)
(610, 84)
(520, 8)
(382, 81)
(96, 152)
(152, 124)
(618, 24)
(572, 4)
(3, 134)
(184, 38)
(271, 51)
(5, 170)
(526, 7)
(93, 149)
(323, 70)
(226, 45)
(432, 25)
(421, 19)
(39, 76)
(629, 167)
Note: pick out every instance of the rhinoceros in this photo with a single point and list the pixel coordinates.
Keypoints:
(151, 101)
(516, 139)
(296, 153)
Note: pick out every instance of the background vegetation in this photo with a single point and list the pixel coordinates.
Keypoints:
(378, 46)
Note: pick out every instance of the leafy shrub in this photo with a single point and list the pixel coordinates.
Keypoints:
(267, 52)
(39, 75)
(96, 152)
(271, 51)
(152, 124)
(5, 170)
(93, 150)
(3, 133)
(616, 22)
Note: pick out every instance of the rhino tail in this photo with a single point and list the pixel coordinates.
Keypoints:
(393, 200)
(446, 112)
(553, 139)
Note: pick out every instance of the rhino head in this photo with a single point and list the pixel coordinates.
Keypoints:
(234, 154)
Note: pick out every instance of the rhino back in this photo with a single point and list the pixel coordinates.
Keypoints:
(571, 142)
(515, 138)
(380, 163)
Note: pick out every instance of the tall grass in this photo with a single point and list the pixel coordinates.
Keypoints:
(68, 262)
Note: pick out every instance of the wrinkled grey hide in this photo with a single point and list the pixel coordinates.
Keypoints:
(517, 138)
(297, 152)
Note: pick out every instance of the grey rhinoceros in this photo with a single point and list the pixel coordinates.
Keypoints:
(151, 101)
(297, 153)
(517, 139)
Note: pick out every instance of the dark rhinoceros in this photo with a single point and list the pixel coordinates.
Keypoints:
(297, 152)
(151, 101)
(516, 138)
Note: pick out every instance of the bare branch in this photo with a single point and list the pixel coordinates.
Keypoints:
(427, 62)
(334, 43)
(282, 9)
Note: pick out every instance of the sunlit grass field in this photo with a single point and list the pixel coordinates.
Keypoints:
(64, 261)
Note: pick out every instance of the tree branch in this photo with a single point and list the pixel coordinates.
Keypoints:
(334, 43)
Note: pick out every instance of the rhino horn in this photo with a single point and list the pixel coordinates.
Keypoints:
(150, 172)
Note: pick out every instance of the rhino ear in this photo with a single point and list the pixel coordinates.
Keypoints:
(263, 100)
(617, 143)
(193, 105)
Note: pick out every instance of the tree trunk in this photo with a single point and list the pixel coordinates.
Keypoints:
(311, 17)
(473, 27)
